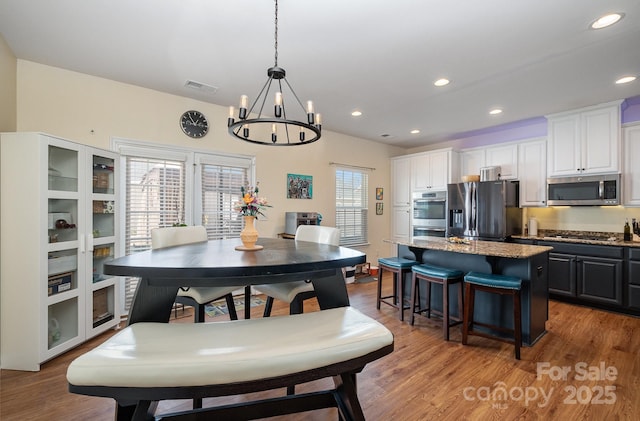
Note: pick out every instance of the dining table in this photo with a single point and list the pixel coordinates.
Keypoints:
(217, 263)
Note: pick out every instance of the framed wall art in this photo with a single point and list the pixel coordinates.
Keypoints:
(299, 186)
(379, 193)
(379, 208)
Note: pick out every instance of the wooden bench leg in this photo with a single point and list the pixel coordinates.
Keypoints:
(347, 398)
(517, 323)
(135, 411)
(445, 310)
(469, 296)
(415, 294)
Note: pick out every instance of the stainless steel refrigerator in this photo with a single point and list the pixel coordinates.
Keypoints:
(484, 210)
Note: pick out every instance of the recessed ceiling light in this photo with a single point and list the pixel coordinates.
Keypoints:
(625, 79)
(495, 111)
(441, 82)
(415, 131)
(607, 20)
(356, 113)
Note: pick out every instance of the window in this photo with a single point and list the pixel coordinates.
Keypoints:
(163, 186)
(154, 197)
(351, 206)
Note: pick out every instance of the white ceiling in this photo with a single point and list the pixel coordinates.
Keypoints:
(529, 57)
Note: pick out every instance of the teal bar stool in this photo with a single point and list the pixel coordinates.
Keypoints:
(444, 277)
(495, 284)
(400, 267)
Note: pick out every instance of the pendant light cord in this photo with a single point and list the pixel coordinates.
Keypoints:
(276, 35)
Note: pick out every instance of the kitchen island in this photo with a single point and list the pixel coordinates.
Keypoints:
(527, 262)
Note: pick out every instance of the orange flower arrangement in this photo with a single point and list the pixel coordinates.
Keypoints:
(251, 204)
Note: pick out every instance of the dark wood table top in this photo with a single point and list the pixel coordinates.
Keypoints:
(193, 263)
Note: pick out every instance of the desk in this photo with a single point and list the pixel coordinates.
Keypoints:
(217, 263)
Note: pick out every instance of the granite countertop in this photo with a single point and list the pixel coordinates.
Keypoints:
(582, 237)
(482, 248)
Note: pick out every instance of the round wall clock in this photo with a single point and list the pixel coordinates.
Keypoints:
(194, 124)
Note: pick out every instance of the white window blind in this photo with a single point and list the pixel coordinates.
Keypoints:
(154, 197)
(351, 206)
(220, 191)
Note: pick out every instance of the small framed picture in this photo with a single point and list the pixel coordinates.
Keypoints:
(379, 208)
(299, 186)
(379, 193)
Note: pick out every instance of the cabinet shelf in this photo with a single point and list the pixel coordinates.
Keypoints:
(63, 184)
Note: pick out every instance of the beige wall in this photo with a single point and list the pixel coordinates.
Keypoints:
(7, 88)
(93, 110)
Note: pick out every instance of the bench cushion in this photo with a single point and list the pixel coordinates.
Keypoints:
(198, 354)
(437, 272)
(396, 262)
(493, 280)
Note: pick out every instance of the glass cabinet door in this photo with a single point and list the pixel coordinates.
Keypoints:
(62, 223)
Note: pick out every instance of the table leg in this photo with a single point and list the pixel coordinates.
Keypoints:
(151, 304)
(247, 302)
(331, 291)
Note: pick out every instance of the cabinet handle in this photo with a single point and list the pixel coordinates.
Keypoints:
(89, 246)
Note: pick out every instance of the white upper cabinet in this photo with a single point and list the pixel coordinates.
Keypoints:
(586, 141)
(631, 171)
(471, 161)
(504, 156)
(400, 180)
(533, 169)
(432, 170)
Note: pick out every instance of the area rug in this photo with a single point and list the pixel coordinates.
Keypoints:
(366, 279)
(218, 308)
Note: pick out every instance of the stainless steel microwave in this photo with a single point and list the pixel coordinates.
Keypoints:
(588, 190)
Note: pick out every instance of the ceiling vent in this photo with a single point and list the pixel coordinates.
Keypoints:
(199, 86)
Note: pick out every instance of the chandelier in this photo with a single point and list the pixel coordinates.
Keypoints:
(281, 129)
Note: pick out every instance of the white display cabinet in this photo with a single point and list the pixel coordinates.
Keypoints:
(58, 222)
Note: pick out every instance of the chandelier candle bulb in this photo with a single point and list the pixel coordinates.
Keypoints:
(310, 116)
(318, 120)
(244, 101)
(274, 133)
(278, 104)
(301, 134)
(231, 120)
(245, 130)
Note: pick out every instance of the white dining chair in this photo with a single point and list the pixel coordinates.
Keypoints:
(196, 297)
(294, 293)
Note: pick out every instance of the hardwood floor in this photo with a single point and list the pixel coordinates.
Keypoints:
(425, 377)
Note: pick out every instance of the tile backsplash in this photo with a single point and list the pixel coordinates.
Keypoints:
(582, 218)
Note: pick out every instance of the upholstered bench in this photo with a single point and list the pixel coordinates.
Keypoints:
(149, 362)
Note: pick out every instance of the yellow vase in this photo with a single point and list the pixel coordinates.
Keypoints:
(249, 234)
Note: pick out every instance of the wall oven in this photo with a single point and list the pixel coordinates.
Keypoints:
(429, 210)
(592, 190)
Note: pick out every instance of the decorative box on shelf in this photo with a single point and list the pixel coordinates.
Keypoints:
(60, 283)
(60, 264)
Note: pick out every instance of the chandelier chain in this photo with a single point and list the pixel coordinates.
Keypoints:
(276, 35)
